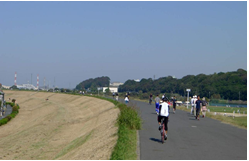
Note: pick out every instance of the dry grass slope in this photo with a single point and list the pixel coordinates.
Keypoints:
(64, 127)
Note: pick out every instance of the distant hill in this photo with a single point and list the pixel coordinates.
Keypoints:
(94, 83)
(230, 85)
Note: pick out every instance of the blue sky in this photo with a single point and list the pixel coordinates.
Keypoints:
(75, 41)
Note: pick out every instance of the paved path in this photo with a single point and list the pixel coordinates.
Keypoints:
(8, 111)
(189, 138)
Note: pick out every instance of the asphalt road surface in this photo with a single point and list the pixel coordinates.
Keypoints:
(189, 138)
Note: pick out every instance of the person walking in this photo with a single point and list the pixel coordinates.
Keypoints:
(198, 107)
(157, 101)
(204, 107)
(174, 104)
(192, 105)
(195, 99)
(117, 96)
(150, 98)
(163, 96)
(126, 99)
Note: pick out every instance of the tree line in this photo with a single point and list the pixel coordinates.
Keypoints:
(93, 84)
(229, 85)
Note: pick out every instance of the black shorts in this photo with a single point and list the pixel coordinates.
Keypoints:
(198, 111)
(159, 118)
(174, 106)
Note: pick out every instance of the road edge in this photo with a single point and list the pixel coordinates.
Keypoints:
(138, 146)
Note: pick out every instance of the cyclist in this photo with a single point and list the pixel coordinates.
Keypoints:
(157, 100)
(164, 113)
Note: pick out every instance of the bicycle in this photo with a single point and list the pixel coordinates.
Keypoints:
(162, 130)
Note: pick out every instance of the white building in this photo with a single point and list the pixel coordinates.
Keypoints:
(27, 86)
(6, 87)
(113, 87)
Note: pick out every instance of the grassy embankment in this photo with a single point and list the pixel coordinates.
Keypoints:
(128, 123)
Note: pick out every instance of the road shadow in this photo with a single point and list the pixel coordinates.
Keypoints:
(156, 140)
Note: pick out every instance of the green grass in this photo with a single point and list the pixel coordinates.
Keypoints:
(126, 146)
(226, 109)
(236, 121)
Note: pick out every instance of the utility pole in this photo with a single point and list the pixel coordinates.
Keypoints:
(239, 95)
(188, 90)
(31, 78)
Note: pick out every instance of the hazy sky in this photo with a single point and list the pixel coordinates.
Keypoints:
(75, 41)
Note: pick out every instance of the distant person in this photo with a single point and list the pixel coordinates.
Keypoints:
(163, 96)
(126, 99)
(150, 98)
(204, 107)
(113, 94)
(192, 105)
(198, 107)
(195, 99)
(174, 104)
(129, 95)
(117, 96)
(157, 101)
(164, 113)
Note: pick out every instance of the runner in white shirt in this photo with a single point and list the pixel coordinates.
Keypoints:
(192, 105)
(195, 99)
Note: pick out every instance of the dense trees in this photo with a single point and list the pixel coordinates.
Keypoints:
(230, 85)
(94, 83)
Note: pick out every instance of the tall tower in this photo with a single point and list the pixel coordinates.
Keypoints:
(44, 83)
(37, 81)
(15, 78)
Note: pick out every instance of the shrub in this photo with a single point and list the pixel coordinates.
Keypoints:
(3, 121)
(8, 117)
(15, 109)
(13, 101)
